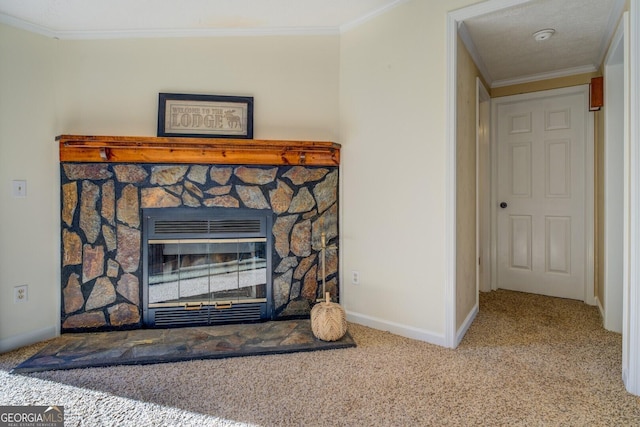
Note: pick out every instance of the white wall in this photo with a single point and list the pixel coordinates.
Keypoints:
(392, 113)
(613, 196)
(29, 244)
(111, 86)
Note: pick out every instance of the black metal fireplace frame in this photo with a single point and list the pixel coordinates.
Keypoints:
(207, 314)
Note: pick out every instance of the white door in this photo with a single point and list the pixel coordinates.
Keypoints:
(541, 193)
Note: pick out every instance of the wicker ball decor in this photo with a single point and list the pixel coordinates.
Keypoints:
(328, 320)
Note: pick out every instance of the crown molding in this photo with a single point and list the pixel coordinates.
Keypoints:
(167, 33)
(369, 16)
(546, 76)
(200, 32)
(27, 26)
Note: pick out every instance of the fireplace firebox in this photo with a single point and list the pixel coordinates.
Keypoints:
(206, 266)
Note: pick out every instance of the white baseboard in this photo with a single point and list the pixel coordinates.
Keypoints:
(28, 338)
(397, 328)
(466, 324)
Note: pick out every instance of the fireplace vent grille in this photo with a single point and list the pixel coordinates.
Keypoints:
(181, 227)
(213, 226)
(177, 316)
(234, 226)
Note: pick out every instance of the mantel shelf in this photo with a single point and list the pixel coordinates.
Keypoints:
(145, 149)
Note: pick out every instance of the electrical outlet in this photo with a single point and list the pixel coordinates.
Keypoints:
(20, 294)
(355, 277)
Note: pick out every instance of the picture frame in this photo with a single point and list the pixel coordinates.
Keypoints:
(205, 116)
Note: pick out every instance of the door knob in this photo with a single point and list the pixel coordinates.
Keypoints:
(503, 205)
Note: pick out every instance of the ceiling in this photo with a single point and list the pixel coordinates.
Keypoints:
(501, 42)
(505, 50)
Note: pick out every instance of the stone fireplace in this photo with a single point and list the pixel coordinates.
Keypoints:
(109, 185)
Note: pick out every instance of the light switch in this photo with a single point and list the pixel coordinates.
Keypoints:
(19, 188)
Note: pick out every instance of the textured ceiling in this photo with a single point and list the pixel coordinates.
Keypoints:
(508, 50)
(501, 42)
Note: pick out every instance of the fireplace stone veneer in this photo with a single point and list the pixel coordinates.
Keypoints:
(102, 236)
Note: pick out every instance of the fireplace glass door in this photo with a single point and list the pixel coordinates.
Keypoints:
(194, 273)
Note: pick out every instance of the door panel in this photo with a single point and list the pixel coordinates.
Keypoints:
(558, 119)
(558, 244)
(520, 123)
(541, 151)
(521, 247)
(520, 169)
(558, 168)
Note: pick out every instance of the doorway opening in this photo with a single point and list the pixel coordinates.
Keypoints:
(631, 292)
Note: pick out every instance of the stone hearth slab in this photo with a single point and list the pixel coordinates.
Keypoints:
(146, 346)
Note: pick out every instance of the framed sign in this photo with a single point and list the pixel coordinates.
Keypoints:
(205, 116)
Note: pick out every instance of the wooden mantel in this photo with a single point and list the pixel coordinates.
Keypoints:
(144, 149)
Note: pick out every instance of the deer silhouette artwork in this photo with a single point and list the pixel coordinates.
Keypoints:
(233, 120)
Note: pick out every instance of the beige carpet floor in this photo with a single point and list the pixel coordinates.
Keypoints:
(526, 361)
